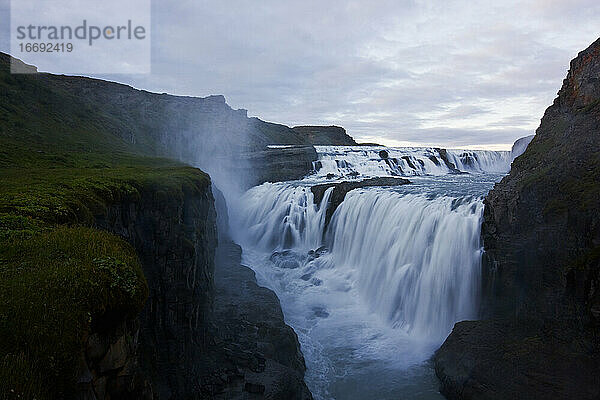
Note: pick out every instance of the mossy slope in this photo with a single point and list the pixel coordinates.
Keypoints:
(63, 161)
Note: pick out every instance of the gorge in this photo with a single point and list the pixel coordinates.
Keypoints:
(299, 264)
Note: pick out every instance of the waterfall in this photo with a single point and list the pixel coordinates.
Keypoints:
(368, 161)
(282, 216)
(413, 259)
(416, 260)
(481, 160)
(375, 290)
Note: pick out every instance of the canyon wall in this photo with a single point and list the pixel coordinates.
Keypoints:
(541, 268)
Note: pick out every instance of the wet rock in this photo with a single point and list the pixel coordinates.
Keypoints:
(116, 356)
(286, 259)
(340, 190)
(306, 277)
(444, 156)
(253, 343)
(408, 160)
(314, 254)
(320, 312)
(254, 388)
(435, 160)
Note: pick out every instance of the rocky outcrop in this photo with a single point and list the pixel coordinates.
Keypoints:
(520, 145)
(175, 238)
(541, 270)
(450, 165)
(340, 189)
(325, 135)
(252, 352)
(275, 165)
(518, 359)
(208, 330)
(110, 366)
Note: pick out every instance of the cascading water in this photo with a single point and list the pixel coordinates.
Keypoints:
(372, 294)
(416, 260)
(364, 161)
(283, 216)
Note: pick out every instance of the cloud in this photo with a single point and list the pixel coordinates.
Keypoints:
(426, 72)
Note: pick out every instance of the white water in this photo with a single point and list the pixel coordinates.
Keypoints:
(283, 216)
(376, 293)
(354, 161)
(415, 260)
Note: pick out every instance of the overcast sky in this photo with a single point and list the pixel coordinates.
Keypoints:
(451, 73)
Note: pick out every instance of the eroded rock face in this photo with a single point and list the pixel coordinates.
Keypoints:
(252, 352)
(541, 270)
(517, 359)
(276, 165)
(175, 237)
(109, 366)
(205, 332)
(324, 135)
(342, 188)
(542, 221)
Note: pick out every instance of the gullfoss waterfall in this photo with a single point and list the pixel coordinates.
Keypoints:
(373, 292)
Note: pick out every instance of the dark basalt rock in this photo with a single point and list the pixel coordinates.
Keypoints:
(286, 259)
(275, 165)
(175, 240)
(450, 165)
(251, 349)
(341, 188)
(383, 154)
(468, 159)
(541, 270)
(435, 160)
(411, 165)
(324, 135)
(517, 359)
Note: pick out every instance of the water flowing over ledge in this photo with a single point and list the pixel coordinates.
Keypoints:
(375, 291)
(416, 260)
(413, 259)
(354, 161)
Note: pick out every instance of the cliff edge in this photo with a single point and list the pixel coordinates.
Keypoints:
(541, 269)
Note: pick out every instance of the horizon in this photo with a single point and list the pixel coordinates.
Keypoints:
(399, 75)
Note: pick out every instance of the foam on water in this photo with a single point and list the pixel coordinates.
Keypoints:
(374, 293)
(367, 161)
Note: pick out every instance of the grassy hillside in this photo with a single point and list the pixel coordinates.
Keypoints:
(62, 161)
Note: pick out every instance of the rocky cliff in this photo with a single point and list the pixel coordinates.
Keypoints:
(325, 135)
(107, 253)
(175, 237)
(252, 353)
(340, 189)
(541, 269)
(275, 165)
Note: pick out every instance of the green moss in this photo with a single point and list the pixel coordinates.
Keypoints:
(57, 279)
(63, 161)
(53, 286)
(21, 378)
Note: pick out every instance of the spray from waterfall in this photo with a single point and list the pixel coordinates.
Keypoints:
(413, 259)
